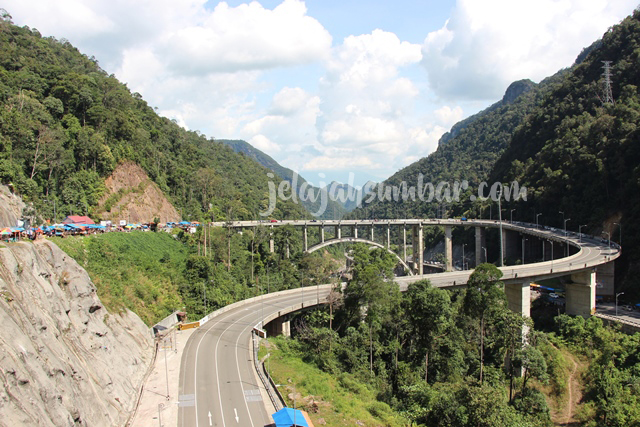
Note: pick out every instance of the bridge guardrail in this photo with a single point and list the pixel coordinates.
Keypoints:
(265, 378)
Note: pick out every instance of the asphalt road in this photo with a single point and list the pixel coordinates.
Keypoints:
(217, 374)
(624, 314)
(218, 385)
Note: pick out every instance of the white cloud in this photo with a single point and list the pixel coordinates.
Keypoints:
(448, 116)
(263, 143)
(243, 71)
(486, 45)
(341, 162)
(366, 102)
(247, 37)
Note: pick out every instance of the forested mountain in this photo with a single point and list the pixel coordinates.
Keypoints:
(575, 153)
(467, 152)
(334, 210)
(65, 124)
(580, 155)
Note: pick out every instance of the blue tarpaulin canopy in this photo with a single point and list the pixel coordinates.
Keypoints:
(284, 418)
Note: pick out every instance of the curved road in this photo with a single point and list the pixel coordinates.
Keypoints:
(218, 383)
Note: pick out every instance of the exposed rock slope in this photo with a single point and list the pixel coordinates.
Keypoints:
(12, 206)
(133, 197)
(64, 360)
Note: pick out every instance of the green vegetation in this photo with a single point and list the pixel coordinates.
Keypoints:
(65, 124)
(432, 356)
(338, 400)
(140, 271)
(572, 152)
(435, 357)
(468, 152)
(580, 156)
(154, 274)
(612, 380)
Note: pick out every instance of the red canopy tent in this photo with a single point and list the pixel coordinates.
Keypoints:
(77, 219)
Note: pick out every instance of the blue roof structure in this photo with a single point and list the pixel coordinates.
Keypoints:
(284, 418)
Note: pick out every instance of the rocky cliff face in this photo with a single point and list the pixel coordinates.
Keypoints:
(64, 360)
(11, 207)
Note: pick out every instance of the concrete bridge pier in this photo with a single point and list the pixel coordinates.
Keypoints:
(605, 276)
(272, 245)
(448, 249)
(279, 326)
(404, 243)
(306, 239)
(480, 243)
(372, 239)
(388, 236)
(581, 294)
(337, 233)
(354, 231)
(519, 297)
(321, 234)
(417, 241)
(510, 248)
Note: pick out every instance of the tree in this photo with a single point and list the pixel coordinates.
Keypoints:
(483, 294)
(431, 316)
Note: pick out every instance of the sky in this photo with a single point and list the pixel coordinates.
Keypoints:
(345, 90)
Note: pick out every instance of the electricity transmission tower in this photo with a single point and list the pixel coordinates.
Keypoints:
(608, 94)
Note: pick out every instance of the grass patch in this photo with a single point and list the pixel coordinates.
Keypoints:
(141, 271)
(338, 401)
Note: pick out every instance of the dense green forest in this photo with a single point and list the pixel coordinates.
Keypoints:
(580, 156)
(436, 357)
(65, 124)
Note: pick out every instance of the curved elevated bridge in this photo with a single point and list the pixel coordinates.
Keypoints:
(218, 381)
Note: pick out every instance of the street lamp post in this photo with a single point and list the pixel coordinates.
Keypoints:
(580, 231)
(565, 234)
(511, 216)
(501, 235)
(615, 223)
(608, 237)
(523, 243)
(537, 215)
(485, 254)
(617, 295)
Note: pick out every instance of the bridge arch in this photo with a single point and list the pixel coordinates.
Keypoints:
(358, 240)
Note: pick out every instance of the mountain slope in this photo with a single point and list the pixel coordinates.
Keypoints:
(468, 152)
(65, 124)
(334, 209)
(580, 156)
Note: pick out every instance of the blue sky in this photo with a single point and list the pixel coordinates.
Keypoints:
(331, 89)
